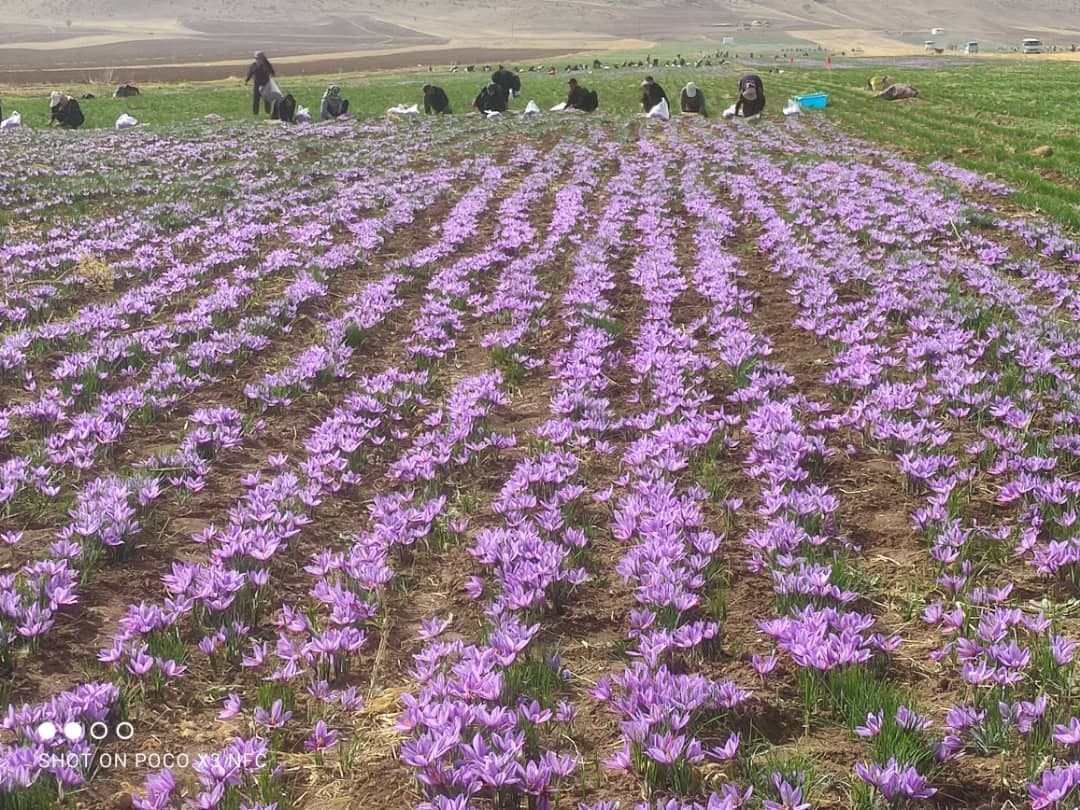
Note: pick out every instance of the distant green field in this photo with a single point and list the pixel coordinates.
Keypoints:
(986, 116)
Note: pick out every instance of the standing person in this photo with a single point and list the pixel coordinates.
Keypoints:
(262, 72)
(65, 111)
(435, 100)
(651, 94)
(751, 96)
(491, 99)
(333, 105)
(581, 98)
(692, 100)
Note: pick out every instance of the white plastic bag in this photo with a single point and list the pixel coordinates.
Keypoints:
(303, 116)
(125, 121)
(271, 92)
(13, 121)
(729, 112)
(532, 108)
(559, 107)
(661, 111)
(401, 109)
(792, 107)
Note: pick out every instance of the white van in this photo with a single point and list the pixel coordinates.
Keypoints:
(971, 47)
(1032, 45)
(929, 45)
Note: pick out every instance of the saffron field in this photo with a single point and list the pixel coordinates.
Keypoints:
(533, 463)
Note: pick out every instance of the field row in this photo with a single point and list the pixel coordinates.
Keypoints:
(438, 473)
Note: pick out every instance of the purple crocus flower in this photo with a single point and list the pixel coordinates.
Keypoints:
(321, 738)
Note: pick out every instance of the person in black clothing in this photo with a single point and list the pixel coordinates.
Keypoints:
(651, 94)
(435, 100)
(491, 99)
(284, 110)
(261, 71)
(751, 96)
(692, 100)
(580, 98)
(509, 82)
(65, 111)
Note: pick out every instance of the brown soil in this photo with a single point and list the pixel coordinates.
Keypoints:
(587, 632)
(37, 68)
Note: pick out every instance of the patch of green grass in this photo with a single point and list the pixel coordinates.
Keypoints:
(797, 768)
(986, 116)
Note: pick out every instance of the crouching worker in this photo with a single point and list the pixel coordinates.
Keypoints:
(581, 98)
(898, 92)
(692, 101)
(284, 109)
(65, 111)
(651, 94)
(435, 100)
(751, 96)
(509, 81)
(333, 105)
(875, 84)
(491, 99)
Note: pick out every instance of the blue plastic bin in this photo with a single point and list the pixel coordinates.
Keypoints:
(813, 101)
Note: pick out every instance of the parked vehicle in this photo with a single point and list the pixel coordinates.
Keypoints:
(1032, 45)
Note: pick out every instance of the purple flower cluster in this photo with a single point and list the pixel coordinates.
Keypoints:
(54, 758)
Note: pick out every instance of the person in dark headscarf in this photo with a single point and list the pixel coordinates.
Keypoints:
(284, 109)
(435, 100)
(581, 98)
(692, 100)
(510, 82)
(751, 99)
(651, 94)
(262, 72)
(491, 99)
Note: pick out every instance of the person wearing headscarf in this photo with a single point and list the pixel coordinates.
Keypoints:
(65, 111)
(896, 92)
(262, 72)
(581, 98)
(751, 99)
(509, 81)
(692, 100)
(877, 83)
(333, 105)
(284, 109)
(491, 99)
(435, 100)
(651, 94)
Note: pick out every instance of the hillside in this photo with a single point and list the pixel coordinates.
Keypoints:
(74, 34)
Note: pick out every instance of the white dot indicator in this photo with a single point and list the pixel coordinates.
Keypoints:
(99, 731)
(124, 730)
(73, 731)
(46, 731)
